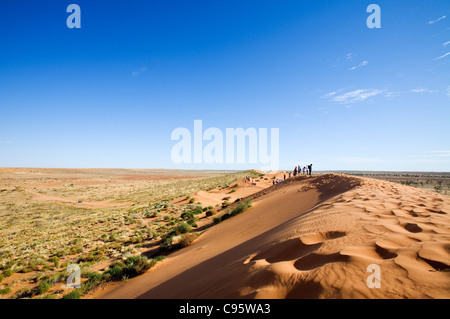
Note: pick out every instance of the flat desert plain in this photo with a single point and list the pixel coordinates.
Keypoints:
(198, 234)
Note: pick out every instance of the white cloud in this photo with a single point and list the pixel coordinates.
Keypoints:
(442, 56)
(437, 20)
(139, 71)
(446, 43)
(363, 63)
(333, 93)
(423, 90)
(391, 94)
(350, 56)
(357, 96)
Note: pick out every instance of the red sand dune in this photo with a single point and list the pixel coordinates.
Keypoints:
(313, 238)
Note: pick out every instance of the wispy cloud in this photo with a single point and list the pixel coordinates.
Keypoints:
(356, 96)
(442, 56)
(139, 71)
(423, 90)
(445, 44)
(437, 20)
(350, 56)
(391, 94)
(363, 63)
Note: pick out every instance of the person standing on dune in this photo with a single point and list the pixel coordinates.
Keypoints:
(309, 169)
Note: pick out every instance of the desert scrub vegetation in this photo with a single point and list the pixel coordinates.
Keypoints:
(239, 208)
(41, 238)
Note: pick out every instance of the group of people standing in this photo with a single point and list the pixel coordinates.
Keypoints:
(306, 170)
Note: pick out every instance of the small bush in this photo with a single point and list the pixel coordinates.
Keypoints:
(167, 243)
(56, 277)
(94, 280)
(187, 239)
(192, 200)
(7, 273)
(74, 294)
(187, 215)
(75, 250)
(182, 228)
(5, 291)
(42, 288)
(55, 260)
(242, 206)
(133, 266)
(23, 293)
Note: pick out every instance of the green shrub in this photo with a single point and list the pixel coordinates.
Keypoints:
(56, 277)
(7, 273)
(74, 294)
(187, 215)
(75, 250)
(187, 239)
(23, 293)
(133, 266)
(5, 291)
(192, 200)
(94, 280)
(167, 243)
(42, 288)
(192, 222)
(242, 206)
(114, 271)
(55, 260)
(182, 228)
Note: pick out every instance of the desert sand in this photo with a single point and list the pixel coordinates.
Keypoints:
(312, 237)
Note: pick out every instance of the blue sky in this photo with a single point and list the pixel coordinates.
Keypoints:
(109, 94)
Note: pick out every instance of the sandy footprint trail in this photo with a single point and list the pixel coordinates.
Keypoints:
(314, 238)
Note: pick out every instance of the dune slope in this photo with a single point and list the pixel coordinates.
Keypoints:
(314, 238)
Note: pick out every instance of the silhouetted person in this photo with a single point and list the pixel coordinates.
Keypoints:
(309, 169)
